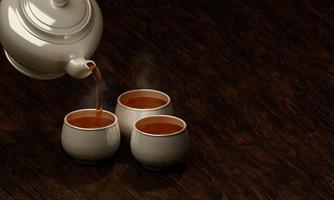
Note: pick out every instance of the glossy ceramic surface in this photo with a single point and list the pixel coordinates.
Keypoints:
(90, 144)
(160, 151)
(46, 39)
(128, 115)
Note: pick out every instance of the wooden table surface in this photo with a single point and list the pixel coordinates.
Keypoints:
(254, 80)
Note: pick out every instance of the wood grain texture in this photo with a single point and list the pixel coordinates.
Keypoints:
(253, 79)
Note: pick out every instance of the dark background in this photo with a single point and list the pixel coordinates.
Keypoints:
(253, 79)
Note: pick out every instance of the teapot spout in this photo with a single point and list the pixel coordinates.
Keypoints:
(80, 68)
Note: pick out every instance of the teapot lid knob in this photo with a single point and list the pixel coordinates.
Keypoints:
(59, 3)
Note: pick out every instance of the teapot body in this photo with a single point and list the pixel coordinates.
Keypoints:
(44, 51)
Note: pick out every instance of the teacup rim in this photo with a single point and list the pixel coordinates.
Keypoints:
(144, 109)
(160, 135)
(90, 129)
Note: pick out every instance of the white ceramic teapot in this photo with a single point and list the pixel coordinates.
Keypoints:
(45, 39)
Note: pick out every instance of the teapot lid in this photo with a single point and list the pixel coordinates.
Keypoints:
(57, 21)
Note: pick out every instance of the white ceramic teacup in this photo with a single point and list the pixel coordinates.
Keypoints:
(159, 151)
(128, 115)
(89, 145)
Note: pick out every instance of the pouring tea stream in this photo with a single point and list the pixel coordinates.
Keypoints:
(47, 39)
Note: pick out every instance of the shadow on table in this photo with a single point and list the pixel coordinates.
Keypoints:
(141, 179)
(75, 173)
(44, 161)
(27, 160)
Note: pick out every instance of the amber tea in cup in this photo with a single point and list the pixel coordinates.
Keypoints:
(93, 121)
(159, 128)
(90, 138)
(143, 102)
(160, 141)
(135, 104)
